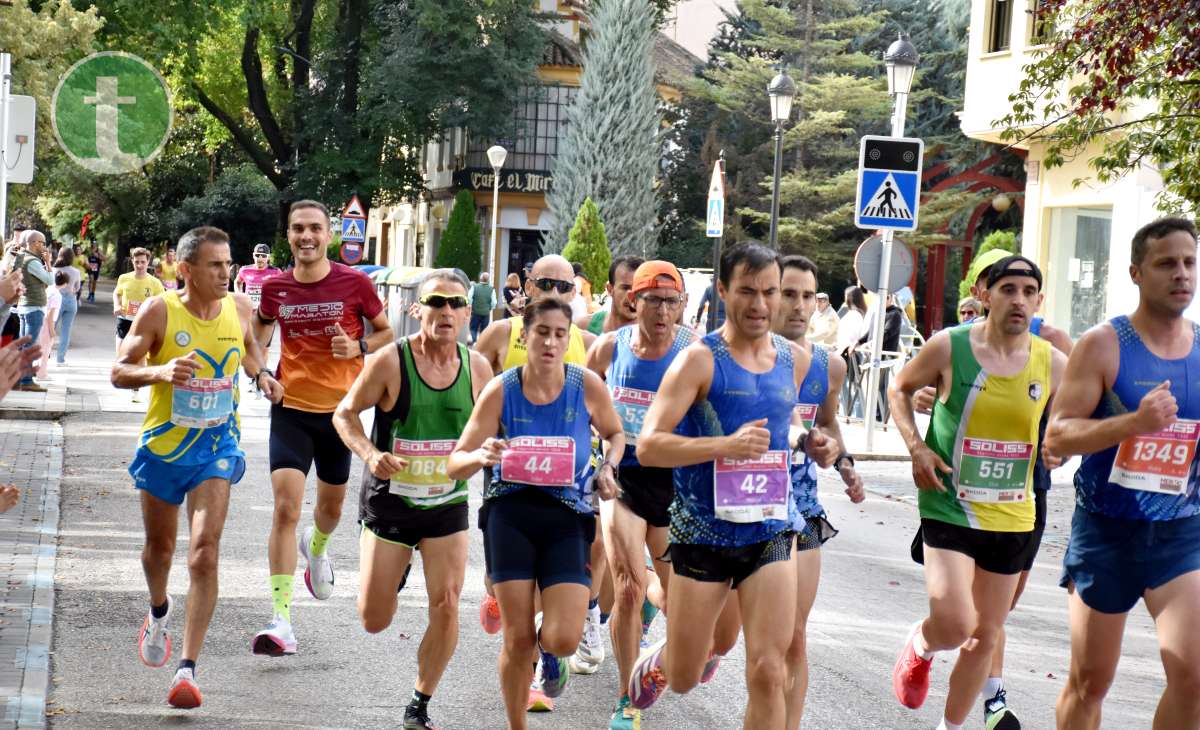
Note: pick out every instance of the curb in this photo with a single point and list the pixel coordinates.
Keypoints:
(30, 414)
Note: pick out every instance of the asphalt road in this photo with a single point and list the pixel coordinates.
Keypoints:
(344, 678)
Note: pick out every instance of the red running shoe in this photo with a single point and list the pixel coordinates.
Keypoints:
(910, 678)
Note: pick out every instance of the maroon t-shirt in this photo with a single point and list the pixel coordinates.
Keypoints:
(308, 315)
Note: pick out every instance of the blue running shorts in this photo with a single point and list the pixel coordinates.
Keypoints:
(172, 482)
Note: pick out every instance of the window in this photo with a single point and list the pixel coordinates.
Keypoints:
(541, 118)
(1039, 22)
(999, 25)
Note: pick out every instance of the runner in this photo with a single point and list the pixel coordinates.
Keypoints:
(537, 517)
(320, 306)
(1126, 406)
(732, 396)
(94, 260)
(974, 473)
(620, 310)
(818, 404)
(168, 271)
(250, 278)
(633, 361)
(133, 288)
(195, 342)
(423, 389)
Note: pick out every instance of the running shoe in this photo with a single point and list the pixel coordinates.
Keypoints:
(184, 693)
(489, 614)
(648, 682)
(154, 641)
(625, 716)
(538, 701)
(910, 677)
(318, 573)
(417, 718)
(590, 652)
(275, 640)
(710, 667)
(554, 671)
(997, 716)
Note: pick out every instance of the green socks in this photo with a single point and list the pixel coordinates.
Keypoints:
(316, 546)
(281, 595)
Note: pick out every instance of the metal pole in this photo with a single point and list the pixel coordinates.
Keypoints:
(775, 187)
(885, 266)
(716, 263)
(5, 84)
(491, 259)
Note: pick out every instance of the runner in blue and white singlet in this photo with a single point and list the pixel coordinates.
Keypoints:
(1128, 406)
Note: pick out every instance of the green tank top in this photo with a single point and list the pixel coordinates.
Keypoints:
(596, 326)
(422, 428)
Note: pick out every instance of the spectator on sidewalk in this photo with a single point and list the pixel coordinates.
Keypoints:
(49, 324)
(482, 298)
(71, 290)
(823, 329)
(514, 297)
(34, 265)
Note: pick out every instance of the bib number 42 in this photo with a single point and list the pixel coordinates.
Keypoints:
(754, 484)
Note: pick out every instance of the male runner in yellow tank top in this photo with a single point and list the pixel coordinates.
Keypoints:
(974, 473)
(195, 342)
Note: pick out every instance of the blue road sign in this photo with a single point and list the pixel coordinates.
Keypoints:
(716, 218)
(889, 183)
(354, 229)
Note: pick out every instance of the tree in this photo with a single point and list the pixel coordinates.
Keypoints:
(1003, 240)
(240, 202)
(459, 248)
(1123, 74)
(588, 245)
(611, 149)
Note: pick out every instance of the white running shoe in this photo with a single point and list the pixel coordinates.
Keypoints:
(184, 694)
(275, 640)
(590, 653)
(154, 641)
(318, 574)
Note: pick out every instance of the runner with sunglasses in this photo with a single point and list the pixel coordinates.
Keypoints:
(422, 388)
(250, 278)
(320, 306)
(533, 424)
(633, 360)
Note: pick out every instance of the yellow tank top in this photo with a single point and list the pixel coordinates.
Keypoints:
(517, 355)
(194, 423)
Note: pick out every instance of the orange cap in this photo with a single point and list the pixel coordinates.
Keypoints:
(648, 276)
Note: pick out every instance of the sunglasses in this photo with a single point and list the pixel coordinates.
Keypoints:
(261, 255)
(563, 287)
(967, 312)
(438, 300)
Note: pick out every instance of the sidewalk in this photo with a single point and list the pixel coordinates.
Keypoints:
(888, 445)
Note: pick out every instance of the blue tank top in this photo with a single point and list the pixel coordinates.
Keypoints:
(549, 444)
(633, 383)
(813, 391)
(1035, 326)
(735, 397)
(1139, 372)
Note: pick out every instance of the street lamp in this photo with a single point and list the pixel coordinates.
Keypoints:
(496, 155)
(781, 91)
(901, 61)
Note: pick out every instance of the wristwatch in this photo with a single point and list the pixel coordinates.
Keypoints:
(837, 463)
(362, 345)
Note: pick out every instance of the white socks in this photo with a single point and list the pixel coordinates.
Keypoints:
(947, 725)
(919, 645)
(992, 687)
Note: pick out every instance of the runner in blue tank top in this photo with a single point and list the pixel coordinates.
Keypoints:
(732, 397)
(633, 361)
(533, 424)
(1127, 405)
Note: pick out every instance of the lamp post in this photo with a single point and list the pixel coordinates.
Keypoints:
(901, 61)
(496, 155)
(781, 91)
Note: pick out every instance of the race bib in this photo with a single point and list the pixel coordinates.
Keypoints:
(808, 416)
(631, 405)
(1157, 462)
(993, 471)
(425, 475)
(131, 308)
(202, 402)
(543, 461)
(256, 298)
(752, 490)
(92, 266)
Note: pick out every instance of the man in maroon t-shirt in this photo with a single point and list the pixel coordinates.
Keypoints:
(320, 307)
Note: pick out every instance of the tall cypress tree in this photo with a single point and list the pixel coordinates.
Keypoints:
(460, 247)
(611, 149)
(589, 245)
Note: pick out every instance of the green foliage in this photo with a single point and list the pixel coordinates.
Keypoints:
(281, 252)
(588, 244)
(1003, 240)
(1118, 80)
(460, 245)
(240, 202)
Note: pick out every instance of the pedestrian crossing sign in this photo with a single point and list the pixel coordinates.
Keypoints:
(889, 183)
(353, 229)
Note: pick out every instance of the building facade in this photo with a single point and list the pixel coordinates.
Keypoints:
(408, 234)
(1078, 233)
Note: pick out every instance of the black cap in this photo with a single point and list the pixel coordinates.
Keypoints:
(1010, 266)
(262, 248)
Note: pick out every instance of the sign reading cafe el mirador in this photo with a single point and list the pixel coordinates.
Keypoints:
(511, 181)
(112, 113)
